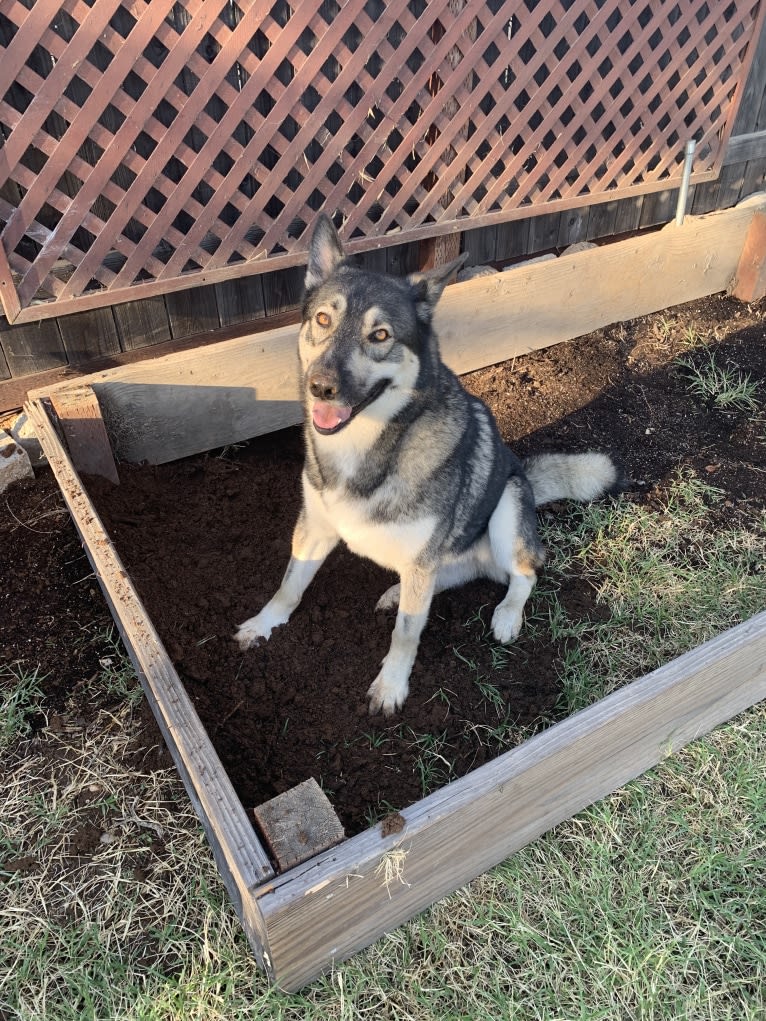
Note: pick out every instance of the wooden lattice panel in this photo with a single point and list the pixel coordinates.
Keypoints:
(155, 145)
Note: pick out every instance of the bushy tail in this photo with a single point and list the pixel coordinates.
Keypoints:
(581, 477)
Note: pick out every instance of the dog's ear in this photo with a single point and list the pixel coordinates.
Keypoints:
(325, 252)
(430, 284)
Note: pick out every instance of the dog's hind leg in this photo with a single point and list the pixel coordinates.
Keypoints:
(389, 689)
(313, 540)
(516, 550)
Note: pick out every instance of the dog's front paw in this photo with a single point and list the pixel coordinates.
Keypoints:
(506, 623)
(390, 598)
(258, 629)
(386, 695)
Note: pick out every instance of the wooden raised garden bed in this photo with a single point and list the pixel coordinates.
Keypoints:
(322, 909)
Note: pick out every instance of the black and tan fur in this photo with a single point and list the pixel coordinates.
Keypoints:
(405, 466)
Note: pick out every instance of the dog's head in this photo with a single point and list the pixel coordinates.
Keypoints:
(364, 335)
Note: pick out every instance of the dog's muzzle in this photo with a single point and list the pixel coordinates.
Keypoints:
(329, 417)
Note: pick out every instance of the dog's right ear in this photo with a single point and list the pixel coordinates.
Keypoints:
(325, 252)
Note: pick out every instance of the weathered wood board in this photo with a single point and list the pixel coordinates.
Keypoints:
(242, 861)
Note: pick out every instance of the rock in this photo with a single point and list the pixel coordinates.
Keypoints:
(579, 246)
(14, 462)
(530, 262)
(475, 271)
(22, 430)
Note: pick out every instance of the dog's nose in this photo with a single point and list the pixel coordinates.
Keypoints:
(323, 389)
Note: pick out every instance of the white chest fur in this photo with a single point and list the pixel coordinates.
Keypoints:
(391, 544)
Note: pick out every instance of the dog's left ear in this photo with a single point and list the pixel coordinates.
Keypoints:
(430, 284)
(325, 252)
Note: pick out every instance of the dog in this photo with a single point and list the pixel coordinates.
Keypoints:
(404, 465)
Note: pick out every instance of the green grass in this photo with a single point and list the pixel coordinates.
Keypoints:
(20, 695)
(726, 386)
(668, 577)
(117, 676)
(432, 761)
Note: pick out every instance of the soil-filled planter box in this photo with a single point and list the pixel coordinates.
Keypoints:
(319, 911)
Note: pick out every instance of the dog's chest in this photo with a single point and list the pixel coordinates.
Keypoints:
(393, 543)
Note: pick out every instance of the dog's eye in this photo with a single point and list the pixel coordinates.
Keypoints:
(322, 318)
(380, 335)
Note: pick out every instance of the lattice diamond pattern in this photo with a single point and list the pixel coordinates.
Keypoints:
(173, 142)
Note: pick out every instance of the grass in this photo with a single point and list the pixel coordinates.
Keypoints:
(20, 694)
(116, 678)
(669, 576)
(432, 762)
(726, 386)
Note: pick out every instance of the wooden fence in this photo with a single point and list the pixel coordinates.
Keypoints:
(153, 147)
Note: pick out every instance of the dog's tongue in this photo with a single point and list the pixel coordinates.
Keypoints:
(328, 416)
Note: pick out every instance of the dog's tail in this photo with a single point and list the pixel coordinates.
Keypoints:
(581, 477)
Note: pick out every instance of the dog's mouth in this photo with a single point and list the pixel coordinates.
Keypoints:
(329, 418)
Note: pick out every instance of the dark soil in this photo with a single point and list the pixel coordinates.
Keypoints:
(206, 541)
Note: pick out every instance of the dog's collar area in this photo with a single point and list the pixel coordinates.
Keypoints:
(373, 395)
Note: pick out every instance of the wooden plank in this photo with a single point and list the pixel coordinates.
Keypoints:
(14, 392)
(512, 239)
(543, 232)
(33, 347)
(223, 393)
(282, 290)
(486, 320)
(240, 300)
(79, 414)
(88, 335)
(402, 259)
(374, 260)
(166, 408)
(754, 177)
(706, 197)
(573, 227)
(299, 824)
(334, 905)
(241, 859)
(602, 219)
(752, 94)
(192, 312)
(749, 282)
(628, 215)
(143, 323)
(730, 184)
(8, 293)
(481, 244)
(659, 207)
(746, 147)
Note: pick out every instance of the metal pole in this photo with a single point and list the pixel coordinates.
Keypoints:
(683, 191)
